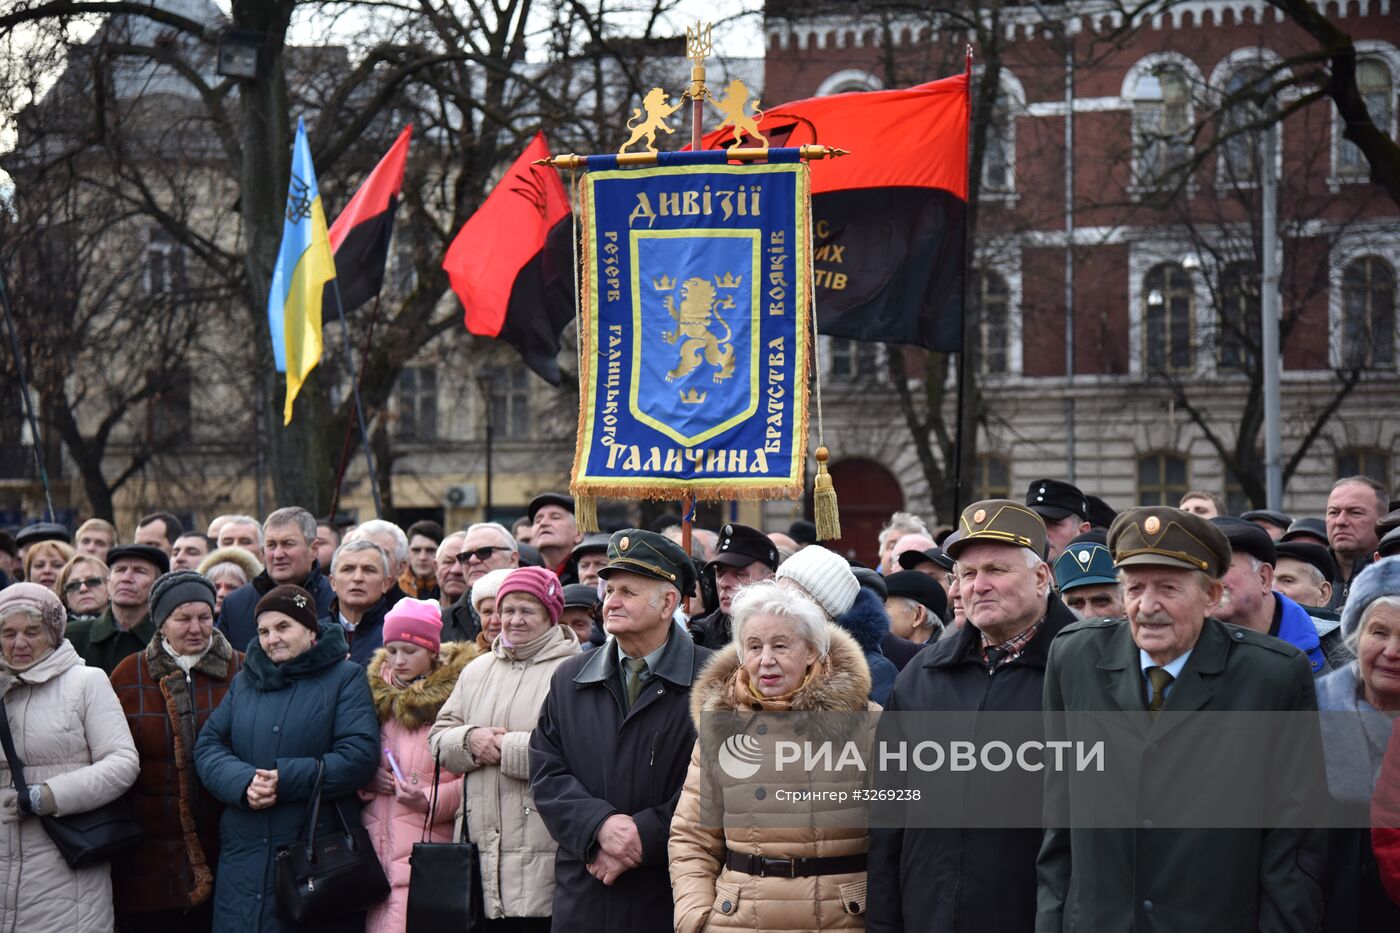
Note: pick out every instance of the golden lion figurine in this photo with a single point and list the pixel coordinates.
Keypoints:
(658, 108)
(731, 105)
(699, 307)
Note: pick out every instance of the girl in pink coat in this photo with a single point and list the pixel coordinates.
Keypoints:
(410, 678)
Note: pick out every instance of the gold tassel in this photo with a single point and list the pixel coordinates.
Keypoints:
(827, 514)
(586, 514)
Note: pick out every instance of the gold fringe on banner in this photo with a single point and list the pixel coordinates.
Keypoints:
(826, 513)
(586, 514)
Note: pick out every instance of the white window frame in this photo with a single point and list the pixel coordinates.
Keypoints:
(1013, 93)
(1382, 243)
(1143, 68)
(1390, 55)
(1002, 255)
(1142, 257)
(1223, 71)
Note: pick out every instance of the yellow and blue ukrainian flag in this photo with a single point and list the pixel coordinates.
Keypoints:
(304, 266)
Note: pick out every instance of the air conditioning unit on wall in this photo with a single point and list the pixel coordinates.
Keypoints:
(461, 496)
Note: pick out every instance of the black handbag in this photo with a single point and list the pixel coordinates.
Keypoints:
(444, 881)
(83, 839)
(323, 877)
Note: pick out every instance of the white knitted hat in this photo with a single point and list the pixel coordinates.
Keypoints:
(824, 574)
(486, 587)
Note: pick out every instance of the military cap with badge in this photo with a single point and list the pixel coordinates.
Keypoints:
(997, 521)
(1084, 565)
(1162, 536)
(648, 554)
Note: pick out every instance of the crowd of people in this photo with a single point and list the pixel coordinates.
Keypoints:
(538, 693)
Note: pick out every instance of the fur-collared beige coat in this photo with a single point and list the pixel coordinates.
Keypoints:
(517, 852)
(70, 734)
(711, 896)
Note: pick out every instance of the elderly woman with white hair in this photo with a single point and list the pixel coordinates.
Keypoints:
(72, 744)
(483, 600)
(745, 860)
(1358, 703)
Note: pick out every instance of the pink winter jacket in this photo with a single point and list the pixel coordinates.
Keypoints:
(405, 716)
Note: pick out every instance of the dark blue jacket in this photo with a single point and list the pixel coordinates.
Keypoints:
(368, 636)
(868, 624)
(237, 619)
(315, 707)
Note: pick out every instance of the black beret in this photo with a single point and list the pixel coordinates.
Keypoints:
(43, 531)
(871, 580)
(1055, 499)
(550, 498)
(146, 552)
(919, 587)
(740, 545)
(911, 559)
(1390, 544)
(591, 544)
(1101, 514)
(1306, 528)
(581, 596)
(1310, 553)
(803, 532)
(1269, 517)
(1247, 538)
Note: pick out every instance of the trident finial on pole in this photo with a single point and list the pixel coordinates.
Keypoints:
(698, 46)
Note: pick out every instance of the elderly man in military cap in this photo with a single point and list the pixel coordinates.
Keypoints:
(1250, 600)
(1087, 582)
(1169, 658)
(743, 555)
(1063, 508)
(610, 753)
(974, 879)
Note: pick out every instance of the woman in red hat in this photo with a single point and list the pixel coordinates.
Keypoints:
(483, 731)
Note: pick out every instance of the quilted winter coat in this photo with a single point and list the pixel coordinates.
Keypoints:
(517, 853)
(405, 716)
(70, 734)
(711, 896)
(315, 707)
(173, 867)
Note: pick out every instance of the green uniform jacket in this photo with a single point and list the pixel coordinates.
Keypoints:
(102, 644)
(1171, 880)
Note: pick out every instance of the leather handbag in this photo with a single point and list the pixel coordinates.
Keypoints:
(83, 839)
(444, 881)
(329, 876)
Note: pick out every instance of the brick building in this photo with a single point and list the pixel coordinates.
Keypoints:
(1142, 249)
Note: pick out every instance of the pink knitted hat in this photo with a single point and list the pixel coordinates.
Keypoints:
(416, 621)
(539, 583)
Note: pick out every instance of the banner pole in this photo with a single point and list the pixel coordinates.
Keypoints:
(359, 408)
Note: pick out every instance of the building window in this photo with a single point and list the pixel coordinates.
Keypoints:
(1242, 149)
(853, 360)
(1161, 125)
(1364, 461)
(1237, 343)
(1373, 80)
(510, 402)
(994, 314)
(165, 264)
(1161, 479)
(170, 411)
(1167, 315)
(993, 477)
(418, 403)
(1368, 314)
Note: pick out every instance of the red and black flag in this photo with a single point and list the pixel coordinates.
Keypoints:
(360, 235)
(889, 220)
(511, 264)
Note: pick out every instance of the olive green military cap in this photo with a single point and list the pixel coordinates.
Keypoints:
(1165, 537)
(998, 521)
(648, 554)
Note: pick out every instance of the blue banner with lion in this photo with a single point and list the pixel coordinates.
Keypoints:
(695, 329)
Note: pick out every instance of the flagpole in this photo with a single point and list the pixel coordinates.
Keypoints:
(962, 353)
(349, 428)
(359, 408)
(24, 394)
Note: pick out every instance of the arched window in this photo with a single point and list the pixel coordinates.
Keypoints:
(1162, 117)
(993, 299)
(1247, 104)
(1167, 319)
(1368, 314)
(993, 477)
(1374, 81)
(1161, 479)
(1237, 339)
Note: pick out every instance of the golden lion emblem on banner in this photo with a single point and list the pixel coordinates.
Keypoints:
(694, 331)
(731, 105)
(658, 107)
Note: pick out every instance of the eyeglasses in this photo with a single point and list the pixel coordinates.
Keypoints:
(92, 583)
(482, 554)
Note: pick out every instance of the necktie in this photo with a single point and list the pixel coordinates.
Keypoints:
(634, 667)
(1161, 680)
